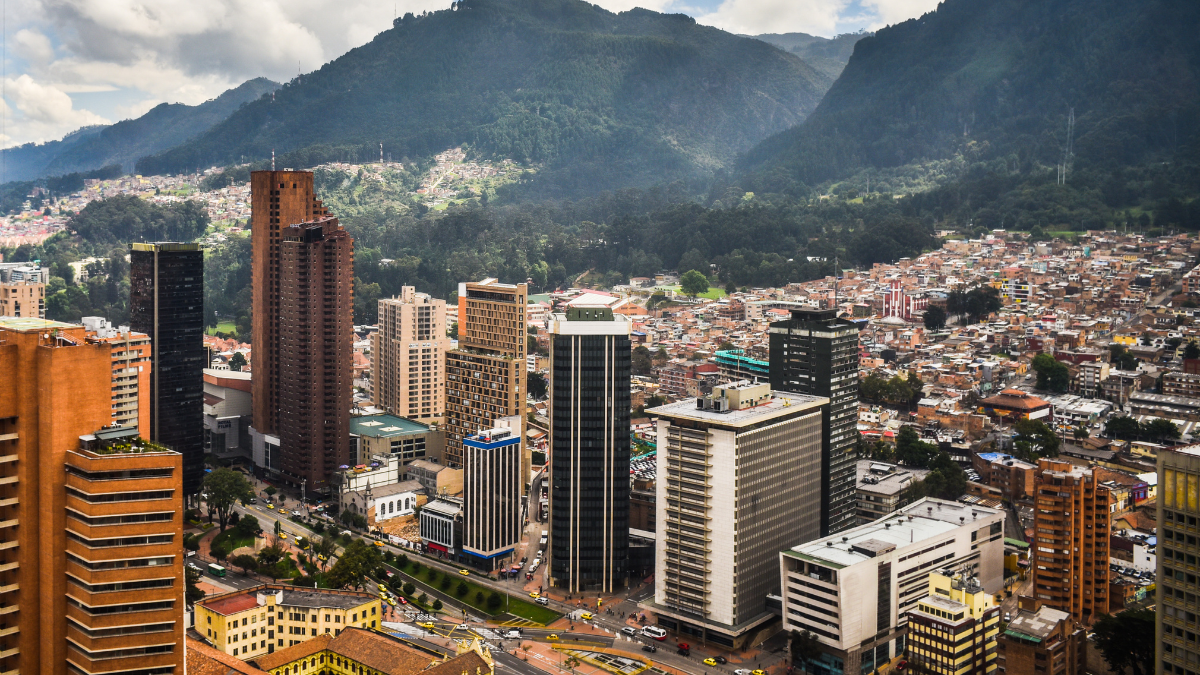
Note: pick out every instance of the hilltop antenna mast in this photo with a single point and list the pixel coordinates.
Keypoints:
(835, 285)
(381, 153)
(272, 159)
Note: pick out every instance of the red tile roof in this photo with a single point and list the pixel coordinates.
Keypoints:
(205, 660)
(232, 604)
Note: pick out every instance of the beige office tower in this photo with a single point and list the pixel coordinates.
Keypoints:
(408, 357)
(485, 375)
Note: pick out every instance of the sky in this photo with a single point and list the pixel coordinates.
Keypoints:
(74, 63)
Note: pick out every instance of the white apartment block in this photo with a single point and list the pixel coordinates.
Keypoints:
(854, 590)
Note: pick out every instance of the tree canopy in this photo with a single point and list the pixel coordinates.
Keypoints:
(225, 487)
(693, 283)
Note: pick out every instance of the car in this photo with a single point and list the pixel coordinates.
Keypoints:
(758, 671)
(902, 665)
(271, 506)
(552, 636)
(427, 625)
(462, 626)
(587, 616)
(683, 652)
(379, 544)
(649, 648)
(194, 566)
(252, 500)
(629, 630)
(391, 603)
(402, 600)
(189, 554)
(513, 634)
(741, 671)
(297, 513)
(524, 560)
(1007, 617)
(719, 659)
(283, 535)
(322, 558)
(710, 661)
(464, 573)
(542, 601)
(535, 595)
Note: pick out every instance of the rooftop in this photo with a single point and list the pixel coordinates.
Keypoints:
(376, 651)
(781, 403)
(905, 528)
(385, 426)
(1036, 625)
(28, 324)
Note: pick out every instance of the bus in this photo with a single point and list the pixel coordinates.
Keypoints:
(216, 570)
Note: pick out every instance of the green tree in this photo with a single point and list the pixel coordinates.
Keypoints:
(270, 491)
(219, 550)
(247, 526)
(422, 599)
(461, 589)
(1126, 641)
(693, 283)
(1122, 359)
(912, 451)
(193, 593)
(804, 648)
(494, 601)
(351, 569)
(935, 317)
(1160, 430)
(642, 361)
(245, 561)
(409, 589)
(437, 605)
(1122, 427)
(1033, 439)
(1051, 373)
(1191, 350)
(537, 385)
(225, 487)
(237, 361)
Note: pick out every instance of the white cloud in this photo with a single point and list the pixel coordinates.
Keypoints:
(42, 112)
(888, 12)
(817, 17)
(32, 46)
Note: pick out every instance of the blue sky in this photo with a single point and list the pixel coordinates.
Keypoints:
(72, 63)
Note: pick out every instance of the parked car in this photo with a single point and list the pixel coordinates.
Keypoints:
(649, 648)
(683, 652)
(542, 601)
(629, 630)
(719, 659)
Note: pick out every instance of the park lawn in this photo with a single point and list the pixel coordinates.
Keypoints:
(516, 605)
(713, 293)
(231, 537)
(223, 327)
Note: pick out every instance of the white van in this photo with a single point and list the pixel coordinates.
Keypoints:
(654, 632)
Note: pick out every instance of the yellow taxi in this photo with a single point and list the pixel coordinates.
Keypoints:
(535, 594)
(464, 573)
(379, 544)
(552, 636)
(322, 558)
(756, 671)
(271, 506)
(587, 616)
(710, 661)
(427, 625)
(391, 602)
(283, 535)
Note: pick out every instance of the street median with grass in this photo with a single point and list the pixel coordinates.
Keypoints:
(460, 589)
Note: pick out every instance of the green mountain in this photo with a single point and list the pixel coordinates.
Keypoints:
(827, 55)
(164, 126)
(600, 100)
(996, 81)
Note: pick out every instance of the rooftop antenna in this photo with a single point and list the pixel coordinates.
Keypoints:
(272, 159)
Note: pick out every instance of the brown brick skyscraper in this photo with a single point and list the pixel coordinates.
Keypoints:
(1071, 545)
(316, 342)
(277, 199)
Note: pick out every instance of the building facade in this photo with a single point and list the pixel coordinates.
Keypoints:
(855, 590)
(131, 365)
(166, 302)
(316, 347)
(816, 353)
(1042, 640)
(408, 356)
(882, 488)
(485, 374)
(1070, 552)
(88, 525)
(278, 199)
(261, 620)
(589, 445)
(492, 487)
(227, 413)
(1177, 588)
(25, 299)
(736, 480)
(954, 629)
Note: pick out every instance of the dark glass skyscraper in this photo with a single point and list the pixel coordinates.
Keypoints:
(589, 442)
(816, 353)
(166, 302)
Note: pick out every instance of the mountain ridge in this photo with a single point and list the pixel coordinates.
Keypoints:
(603, 100)
(162, 127)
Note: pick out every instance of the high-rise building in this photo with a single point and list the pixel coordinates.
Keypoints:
(91, 523)
(1178, 531)
(25, 299)
(1071, 540)
(590, 367)
(954, 628)
(131, 366)
(166, 302)
(408, 356)
(277, 199)
(854, 590)
(1042, 640)
(816, 353)
(738, 474)
(492, 487)
(485, 375)
(316, 347)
